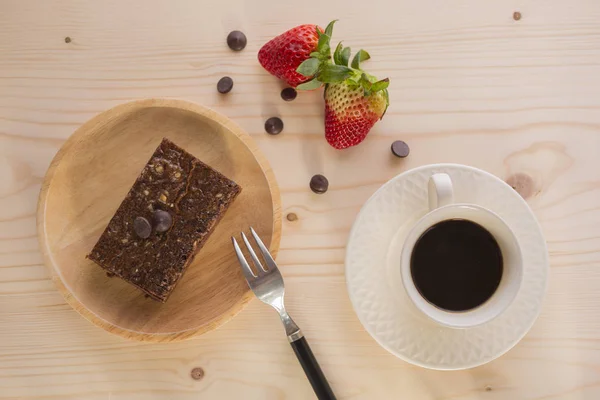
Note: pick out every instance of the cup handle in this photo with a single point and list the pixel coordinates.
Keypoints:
(440, 191)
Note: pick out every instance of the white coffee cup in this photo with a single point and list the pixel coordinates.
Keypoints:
(442, 208)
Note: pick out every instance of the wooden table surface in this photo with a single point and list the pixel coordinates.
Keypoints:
(469, 84)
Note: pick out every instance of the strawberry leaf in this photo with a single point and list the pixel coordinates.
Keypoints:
(359, 57)
(386, 95)
(351, 84)
(370, 77)
(337, 54)
(331, 73)
(365, 83)
(345, 56)
(353, 81)
(380, 85)
(329, 28)
(323, 44)
(308, 67)
(319, 56)
(310, 85)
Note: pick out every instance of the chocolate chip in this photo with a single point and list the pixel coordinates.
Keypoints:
(162, 221)
(289, 94)
(236, 40)
(142, 227)
(319, 184)
(400, 149)
(274, 126)
(197, 373)
(225, 85)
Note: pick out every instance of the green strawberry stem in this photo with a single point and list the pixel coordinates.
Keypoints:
(360, 57)
(322, 70)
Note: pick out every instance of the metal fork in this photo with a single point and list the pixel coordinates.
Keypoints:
(267, 285)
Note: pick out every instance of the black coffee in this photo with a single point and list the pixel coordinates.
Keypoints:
(456, 265)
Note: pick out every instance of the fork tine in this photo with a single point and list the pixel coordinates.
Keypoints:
(248, 273)
(263, 249)
(255, 260)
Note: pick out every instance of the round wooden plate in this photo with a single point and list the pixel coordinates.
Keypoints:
(89, 178)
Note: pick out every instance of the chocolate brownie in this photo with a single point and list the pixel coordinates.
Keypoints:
(167, 216)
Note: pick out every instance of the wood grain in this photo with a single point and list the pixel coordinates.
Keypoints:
(90, 176)
(469, 84)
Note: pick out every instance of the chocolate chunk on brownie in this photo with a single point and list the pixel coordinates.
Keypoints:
(167, 216)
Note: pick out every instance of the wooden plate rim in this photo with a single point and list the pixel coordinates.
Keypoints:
(78, 135)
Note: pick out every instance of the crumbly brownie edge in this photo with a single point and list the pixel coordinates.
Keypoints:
(131, 191)
(116, 274)
(198, 161)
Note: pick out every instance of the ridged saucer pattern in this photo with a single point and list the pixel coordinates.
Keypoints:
(375, 286)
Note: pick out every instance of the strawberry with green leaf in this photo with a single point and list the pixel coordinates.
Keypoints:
(354, 99)
(296, 55)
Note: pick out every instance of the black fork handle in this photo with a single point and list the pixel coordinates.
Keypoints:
(312, 369)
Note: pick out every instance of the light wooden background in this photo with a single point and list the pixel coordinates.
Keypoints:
(469, 85)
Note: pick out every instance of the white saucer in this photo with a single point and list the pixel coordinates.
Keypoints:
(375, 286)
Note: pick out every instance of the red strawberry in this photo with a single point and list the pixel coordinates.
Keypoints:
(350, 113)
(354, 100)
(282, 55)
